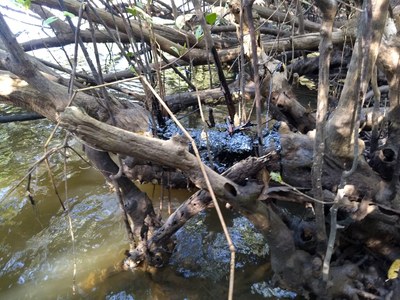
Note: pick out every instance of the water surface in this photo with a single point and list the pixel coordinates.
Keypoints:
(39, 258)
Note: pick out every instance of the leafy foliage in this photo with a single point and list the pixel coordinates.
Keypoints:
(24, 3)
(52, 19)
(211, 18)
(276, 176)
(136, 11)
(198, 33)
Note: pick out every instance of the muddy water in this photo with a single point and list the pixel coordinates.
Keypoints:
(41, 259)
(37, 252)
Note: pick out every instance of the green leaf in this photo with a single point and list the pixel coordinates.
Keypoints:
(133, 11)
(137, 11)
(68, 14)
(132, 69)
(173, 48)
(211, 18)
(24, 3)
(276, 176)
(50, 20)
(198, 33)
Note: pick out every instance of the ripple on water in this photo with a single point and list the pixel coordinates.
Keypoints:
(203, 252)
(48, 256)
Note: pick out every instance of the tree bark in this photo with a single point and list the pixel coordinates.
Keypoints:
(242, 198)
(135, 203)
(240, 173)
(33, 86)
(339, 133)
(328, 9)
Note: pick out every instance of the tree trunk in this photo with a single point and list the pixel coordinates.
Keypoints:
(340, 136)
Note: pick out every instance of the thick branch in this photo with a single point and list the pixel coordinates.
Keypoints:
(242, 198)
(239, 173)
(135, 203)
(139, 32)
(18, 63)
(165, 36)
(103, 136)
(339, 133)
(278, 16)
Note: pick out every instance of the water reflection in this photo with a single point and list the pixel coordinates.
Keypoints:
(37, 254)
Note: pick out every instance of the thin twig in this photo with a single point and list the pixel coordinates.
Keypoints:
(377, 99)
(242, 78)
(247, 6)
(169, 192)
(71, 229)
(161, 194)
(305, 195)
(53, 183)
(106, 84)
(205, 129)
(48, 165)
(30, 170)
(209, 188)
(363, 45)
(328, 9)
(210, 44)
